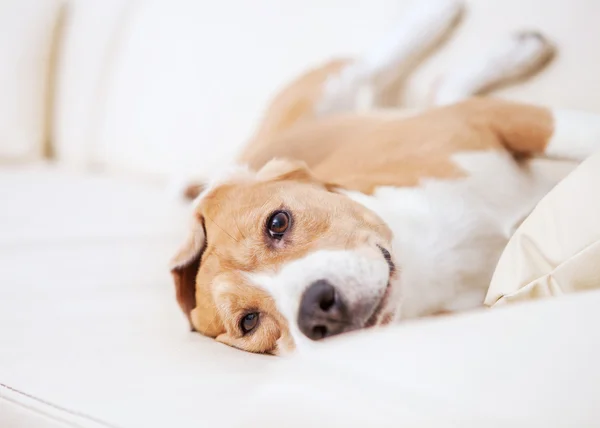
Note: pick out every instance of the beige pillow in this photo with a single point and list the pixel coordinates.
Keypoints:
(28, 29)
(557, 248)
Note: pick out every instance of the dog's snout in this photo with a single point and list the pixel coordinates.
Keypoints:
(322, 311)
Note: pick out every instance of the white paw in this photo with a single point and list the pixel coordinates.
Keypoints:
(422, 28)
(438, 13)
(519, 57)
(356, 86)
(525, 53)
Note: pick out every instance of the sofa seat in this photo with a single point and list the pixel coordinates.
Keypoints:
(89, 321)
(92, 336)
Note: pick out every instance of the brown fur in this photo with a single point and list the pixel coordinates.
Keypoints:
(293, 105)
(361, 152)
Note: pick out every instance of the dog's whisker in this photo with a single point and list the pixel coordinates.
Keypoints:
(238, 228)
(223, 230)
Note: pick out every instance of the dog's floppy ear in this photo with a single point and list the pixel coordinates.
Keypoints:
(286, 169)
(185, 265)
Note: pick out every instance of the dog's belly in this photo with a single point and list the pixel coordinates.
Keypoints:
(449, 234)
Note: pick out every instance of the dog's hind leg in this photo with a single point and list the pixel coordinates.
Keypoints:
(519, 57)
(529, 130)
(337, 86)
(391, 59)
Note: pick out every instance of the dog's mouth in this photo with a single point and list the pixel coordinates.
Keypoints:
(374, 318)
(388, 258)
(372, 321)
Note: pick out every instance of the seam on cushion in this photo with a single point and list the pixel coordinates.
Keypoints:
(52, 406)
(39, 412)
(551, 273)
(46, 151)
(95, 152)
(504, 297)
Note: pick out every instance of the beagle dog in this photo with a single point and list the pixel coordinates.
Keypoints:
(338, 216)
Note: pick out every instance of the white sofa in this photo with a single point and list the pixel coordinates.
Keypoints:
(130, 94)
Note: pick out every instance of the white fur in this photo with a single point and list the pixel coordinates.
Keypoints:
(422, 28)
(356, 86)
(448, 235)
(576, 135)
(517, 56)
(360, 275)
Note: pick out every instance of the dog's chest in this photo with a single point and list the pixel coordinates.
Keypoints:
(448, 235)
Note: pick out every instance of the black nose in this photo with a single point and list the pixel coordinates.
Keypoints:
(322, 311)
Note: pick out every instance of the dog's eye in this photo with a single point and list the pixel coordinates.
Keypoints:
(249, 322)
(278, 224)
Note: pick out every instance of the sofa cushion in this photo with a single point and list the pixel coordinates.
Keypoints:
(91, 336)
(557, 248)
(89, 326)
(26, 52)
(533, 365)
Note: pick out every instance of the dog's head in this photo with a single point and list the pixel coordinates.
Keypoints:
(277, 257)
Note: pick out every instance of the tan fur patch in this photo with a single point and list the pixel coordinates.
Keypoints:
(361, 152)
(235, 216)
(294, 104)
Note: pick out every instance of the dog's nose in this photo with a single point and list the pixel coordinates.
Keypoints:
(322, 311)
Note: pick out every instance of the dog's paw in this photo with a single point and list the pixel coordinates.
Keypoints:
(525, 53)
(437, 13)
(517, 58)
